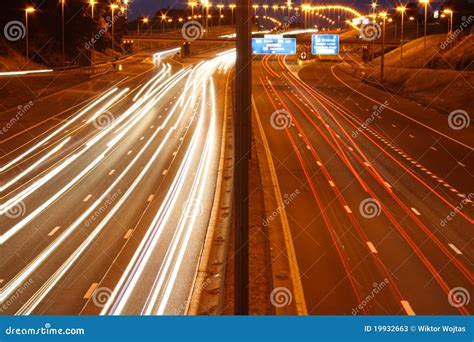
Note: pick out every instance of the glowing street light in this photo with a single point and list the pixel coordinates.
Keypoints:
(220, 7)
(27, 11)
(425, 2)
(401, 9)
(92, 3)
(113, 7)
(62, 31)
(265, 7)
(192, 4)
(383, 15)
(450, 26)
(255, 7)
(232, 7)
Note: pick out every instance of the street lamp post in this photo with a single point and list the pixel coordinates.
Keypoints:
(383, 15)
(220, 6)
(232, 7)
(163, 21)
(450, 31)
(192, 4)
(62, 32)
(401, 9)
(425, 2)
(113, 7)
(27, 10)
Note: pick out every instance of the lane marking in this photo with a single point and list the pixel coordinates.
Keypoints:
(129, 152)
(54, 230)
(407, 308)
(455, 249)
(371, 247)
(416, 211)
(164, 172)
(349, 211)
(111, 172)
(331, 183)
(88, 197)
(128, 234)
(150, 198)
(400, 113)
(90, 291)
(319, 163)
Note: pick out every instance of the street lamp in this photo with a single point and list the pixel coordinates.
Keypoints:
(401, 9)
(163, 20)
(383, 15)
(450, 24)
(92, 4)
(232, 7)
(425, 2)
(192, 4)
(27, 10)
(265, 7)
(62, 31)
(113, 7)
(220, 6)
(144, 21)
(255, 7)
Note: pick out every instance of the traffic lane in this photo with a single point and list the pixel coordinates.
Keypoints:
(351, 242)
(116, 161)
(426, 231)
(111, 113)
(178, 299)
(44, 113)
(423, 144)
(76, 239)
(17, 146)
(337, 168)
(316, 254)
(396, 179)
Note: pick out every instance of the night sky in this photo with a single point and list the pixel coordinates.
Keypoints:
(149, 7)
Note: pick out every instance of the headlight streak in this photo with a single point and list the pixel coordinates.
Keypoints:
(201, 183)
(29, 306)
(34, 187)
(131, 276)
(134, 269)
(34, 165)
(32, 266)
(161, 73)
(59, 130)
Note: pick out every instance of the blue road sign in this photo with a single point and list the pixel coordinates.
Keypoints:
(325, 44)
(275, 46)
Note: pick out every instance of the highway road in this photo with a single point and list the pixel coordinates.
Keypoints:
(382, 219)
(106, 203)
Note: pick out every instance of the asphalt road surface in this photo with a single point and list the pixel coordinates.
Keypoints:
(106, 201)
(379, 192)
